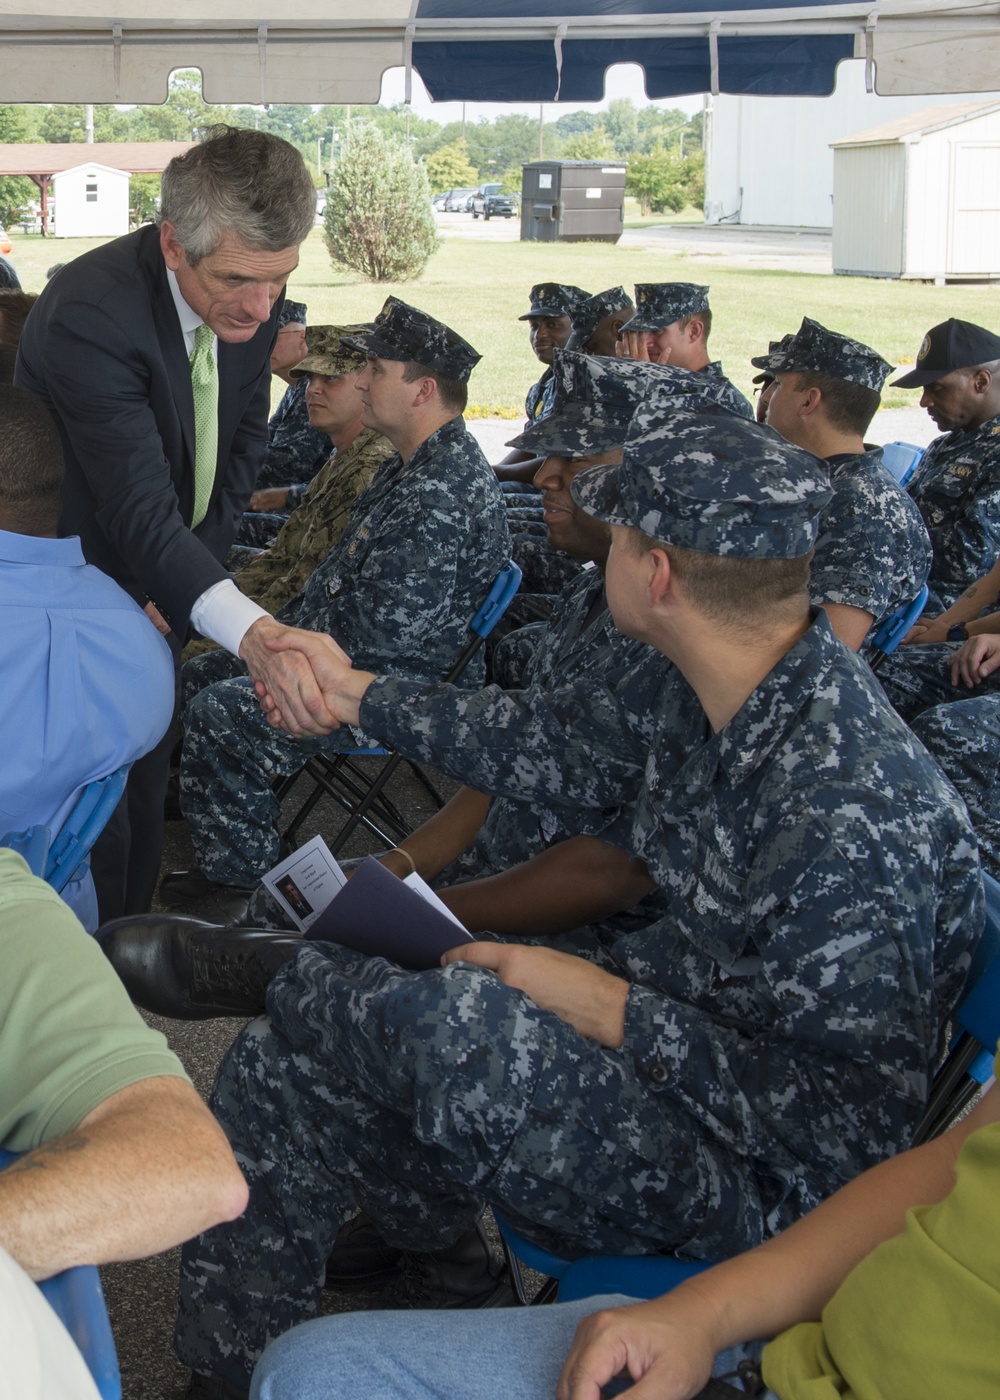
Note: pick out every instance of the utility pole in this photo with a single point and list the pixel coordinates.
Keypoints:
(88, 117)
(541, 130)
(463, 121)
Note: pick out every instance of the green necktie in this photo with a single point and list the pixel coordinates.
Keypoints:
(205, 388)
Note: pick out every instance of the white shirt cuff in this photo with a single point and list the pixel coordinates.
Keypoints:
(224, 614)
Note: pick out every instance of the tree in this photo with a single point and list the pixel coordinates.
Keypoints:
(590, 145)
(15, 190)
(621, 123)
(143, 197)
(663, 180)
(449, 168)
(378, 217)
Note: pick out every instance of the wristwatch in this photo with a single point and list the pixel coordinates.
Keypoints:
(958, 633)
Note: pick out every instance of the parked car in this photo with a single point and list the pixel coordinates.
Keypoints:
(458, 202)
(502, 206)
(5, 243)
(478, 202)
(440, 201)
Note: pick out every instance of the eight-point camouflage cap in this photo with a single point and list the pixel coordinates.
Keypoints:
(660, 304)
(327, 353)
(401, 332)
(596, 397)
(772, 346)
(715, 483)
(590, 313)
(814, 348)
(554, 299)
(292, 311)
(951, 345)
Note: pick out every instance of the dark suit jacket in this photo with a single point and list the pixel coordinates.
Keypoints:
(104, 350)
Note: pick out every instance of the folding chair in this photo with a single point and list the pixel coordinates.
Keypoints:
(891, 632)
(968, 1065)
(362, 797)
(901, 459)
(638, 1275)
(58, 861)
(77, 1299)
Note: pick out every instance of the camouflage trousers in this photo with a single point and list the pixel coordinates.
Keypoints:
(230, 758)
(965, 740)
(421, 1097)
(259, 529)
(960, 727)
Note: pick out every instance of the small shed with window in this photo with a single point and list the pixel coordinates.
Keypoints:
(91, 201)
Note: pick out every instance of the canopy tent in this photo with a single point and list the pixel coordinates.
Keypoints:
(486, 50)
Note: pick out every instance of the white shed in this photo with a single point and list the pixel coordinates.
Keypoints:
(919, 197)
(91, 201)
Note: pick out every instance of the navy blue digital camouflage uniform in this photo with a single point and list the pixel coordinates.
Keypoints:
(423, 545)
(957, 491)
(961, 727)
(873, 552)
(781, 1023)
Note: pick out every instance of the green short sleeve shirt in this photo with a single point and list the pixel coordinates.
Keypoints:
(69, 1036)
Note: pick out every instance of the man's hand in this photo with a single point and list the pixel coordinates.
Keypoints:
(976, 659)
(274, 499)
(637, 345)
(157, 619)
(287, 677)
(670, 1357)
(342, 687)
(589, 999)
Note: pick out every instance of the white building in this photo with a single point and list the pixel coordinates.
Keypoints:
(919, 196)
(769, 161)
(91, 201)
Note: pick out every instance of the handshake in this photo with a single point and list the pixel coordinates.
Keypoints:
(304, 681)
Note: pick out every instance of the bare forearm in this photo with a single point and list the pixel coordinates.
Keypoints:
(517, 466)
(791, 1278)
(443, 837)
(150, 1167)
(573, 883)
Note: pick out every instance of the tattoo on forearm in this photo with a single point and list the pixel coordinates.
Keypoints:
(44, 1156)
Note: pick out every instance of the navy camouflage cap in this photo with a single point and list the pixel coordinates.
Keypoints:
(815, 349)
(292, 312)
(553, 299)
(660, 304)
(327, 353)
(714, 483)
(952, 345)
(772, 345)
(596, 397)
(590, 313)
(401, 332)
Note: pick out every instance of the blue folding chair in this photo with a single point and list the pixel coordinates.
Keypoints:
(968, 1065)
(638, 1275)
(890, 633)
(363, 797)
(59, 861)
(901, 459)
(77, 1299)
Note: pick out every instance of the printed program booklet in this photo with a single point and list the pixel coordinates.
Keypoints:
(374, 912)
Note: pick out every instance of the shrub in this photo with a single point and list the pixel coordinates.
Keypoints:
(378, 218)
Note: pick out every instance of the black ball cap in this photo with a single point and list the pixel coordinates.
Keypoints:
(951, 345)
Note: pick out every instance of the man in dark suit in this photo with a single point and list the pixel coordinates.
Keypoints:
(110, 348)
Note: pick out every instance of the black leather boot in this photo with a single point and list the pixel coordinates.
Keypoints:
(191, 970)
(468, 1274)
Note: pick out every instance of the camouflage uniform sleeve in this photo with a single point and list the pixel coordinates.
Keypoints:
(293, 444)
(571, 745)
(873, 552)
(847, 1016)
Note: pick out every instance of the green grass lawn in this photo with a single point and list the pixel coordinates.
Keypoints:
(481, 288)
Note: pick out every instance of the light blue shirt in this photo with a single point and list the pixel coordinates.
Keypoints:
(87, 679)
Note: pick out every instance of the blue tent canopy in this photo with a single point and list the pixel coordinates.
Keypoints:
(488, 50)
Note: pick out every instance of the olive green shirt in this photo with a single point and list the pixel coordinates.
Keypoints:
(69, 1036)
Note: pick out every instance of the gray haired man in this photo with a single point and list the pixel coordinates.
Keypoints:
(152, 353)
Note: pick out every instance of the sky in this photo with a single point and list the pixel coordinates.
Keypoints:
(623, 80)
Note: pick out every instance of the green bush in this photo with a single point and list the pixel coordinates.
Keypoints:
(378, 218)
